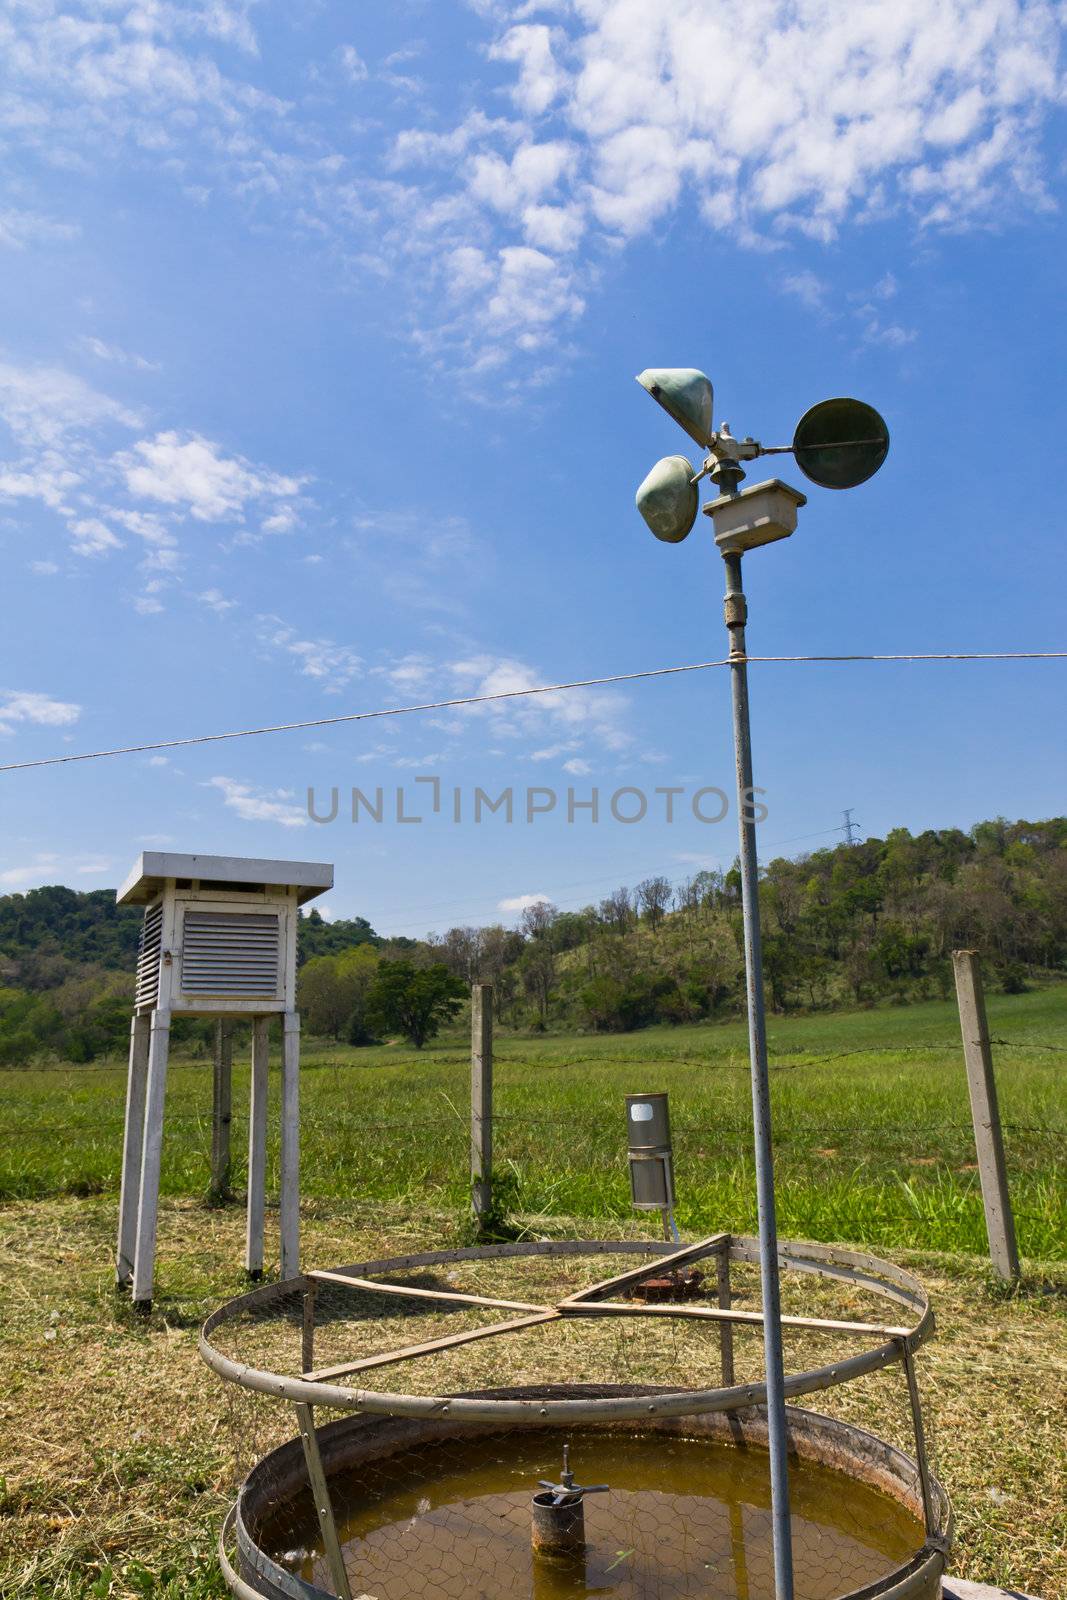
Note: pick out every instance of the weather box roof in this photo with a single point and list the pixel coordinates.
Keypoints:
(148, 876)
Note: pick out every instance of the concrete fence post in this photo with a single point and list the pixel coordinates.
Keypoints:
(481, 1097)
(985, 1113)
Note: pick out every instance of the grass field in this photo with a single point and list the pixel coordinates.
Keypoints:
(872, 1124)
(118, 1452)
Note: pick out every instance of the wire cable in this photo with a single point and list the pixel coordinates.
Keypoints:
(510, 694)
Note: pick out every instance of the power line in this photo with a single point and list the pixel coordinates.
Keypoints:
(513, 694)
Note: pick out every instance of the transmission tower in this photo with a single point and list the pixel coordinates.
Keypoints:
(849, 828)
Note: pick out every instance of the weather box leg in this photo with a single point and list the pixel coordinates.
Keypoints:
(257, 1148)
(921, 1458)
(323, 1504)
(151, 1152)
(289, 1200)
(132, 1146)
(726, 1332)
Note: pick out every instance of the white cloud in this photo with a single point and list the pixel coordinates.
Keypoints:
(253, 804)
(808, 288)
(41, 405)
(533, 171)
(116, 355)
(93, 866)
(21, 228)
(816, 113)
(283, 520)
(44, 569)
(216, 601)
(21, 706)
(530, 292)
(783, 120)
(48, 479)
(541, 80)
(891, 334)
(189, 472)
(408, 675)
(352, 64)
(333, 664)
(91, 537)
(40, 870)
(577, 768)
(592, 713)
(522, 902)
(426, 147)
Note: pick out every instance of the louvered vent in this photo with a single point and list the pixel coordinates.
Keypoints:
(147, 991)
(230, 953)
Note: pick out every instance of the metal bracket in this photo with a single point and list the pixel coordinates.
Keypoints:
(735, 610)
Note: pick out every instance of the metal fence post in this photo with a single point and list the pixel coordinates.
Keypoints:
(481, 1098)
(985, 1113)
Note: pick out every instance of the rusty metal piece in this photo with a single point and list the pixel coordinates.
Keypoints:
(557, 1514)
(668, 1287)
(557, 1529)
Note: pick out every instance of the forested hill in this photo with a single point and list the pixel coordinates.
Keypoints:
(46, 931)
(853, 925)
(57, 924)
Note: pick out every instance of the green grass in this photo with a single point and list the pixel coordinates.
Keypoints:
(872, 1125)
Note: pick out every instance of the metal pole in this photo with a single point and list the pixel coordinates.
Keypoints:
(777, 1436)
(985, 1114)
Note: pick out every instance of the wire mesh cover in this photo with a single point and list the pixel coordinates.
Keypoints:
(448, 1503)
(381, 1335)
(429, 1512)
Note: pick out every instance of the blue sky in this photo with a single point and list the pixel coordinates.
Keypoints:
(316, 395)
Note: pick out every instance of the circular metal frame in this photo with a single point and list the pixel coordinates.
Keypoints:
(882, 1278)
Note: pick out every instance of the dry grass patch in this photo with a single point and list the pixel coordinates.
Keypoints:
(121, 1451)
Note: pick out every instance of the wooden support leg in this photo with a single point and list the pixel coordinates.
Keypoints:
(221, 1114)
(323, 1505)
(151, 1151)
(289, 1201)
(307, 1338)
(726, 1332)
(257, 1148)
(132, 1143)
(921, 1458)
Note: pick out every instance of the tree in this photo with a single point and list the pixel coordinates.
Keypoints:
(616, 910)
(654, 896)
(537, 918)
(332, 991)
(411, 1000)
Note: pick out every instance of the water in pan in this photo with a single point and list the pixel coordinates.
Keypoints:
(684, 1517)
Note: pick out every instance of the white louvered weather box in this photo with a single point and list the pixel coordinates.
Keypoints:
(219, 933)
(218, 940)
